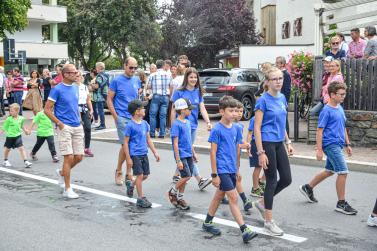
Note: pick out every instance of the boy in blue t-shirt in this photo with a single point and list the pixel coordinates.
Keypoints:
(259, 184)
(331, 138)
(225, 139)
(184, 153)
(136, 142)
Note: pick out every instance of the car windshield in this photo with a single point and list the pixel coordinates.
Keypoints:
(214, 78)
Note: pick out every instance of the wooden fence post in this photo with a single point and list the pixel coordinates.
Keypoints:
(317, 83)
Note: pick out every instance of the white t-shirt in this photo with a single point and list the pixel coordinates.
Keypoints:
(83, 94)
(176, 83)
(2, 80)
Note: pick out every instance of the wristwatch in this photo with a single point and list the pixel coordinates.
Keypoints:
(213, 175)
(347, 145)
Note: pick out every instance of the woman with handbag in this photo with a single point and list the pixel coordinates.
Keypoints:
(33, 100)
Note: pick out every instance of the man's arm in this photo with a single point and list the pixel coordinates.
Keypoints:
(110, 104)
(49, 113)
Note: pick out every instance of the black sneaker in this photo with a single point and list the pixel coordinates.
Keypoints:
(182, 204)
(210, 228)
(345, 208)
(143, 203)
(130, 189)
(248, 234)
(308, 193)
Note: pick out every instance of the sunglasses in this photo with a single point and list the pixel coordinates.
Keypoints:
(335, 43)
(132, 68)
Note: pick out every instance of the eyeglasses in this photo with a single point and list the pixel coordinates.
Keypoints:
(276, 79)
(72, 72)
(341, 94)
(132, 68)
(336, 43)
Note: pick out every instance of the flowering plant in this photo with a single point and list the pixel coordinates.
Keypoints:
(300, 67)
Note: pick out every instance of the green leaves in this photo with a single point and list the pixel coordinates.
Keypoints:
(13, 16)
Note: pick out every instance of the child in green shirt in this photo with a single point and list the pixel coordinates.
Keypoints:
(45, 131)
(13, 127)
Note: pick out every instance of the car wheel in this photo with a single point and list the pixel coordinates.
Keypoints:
(248, 107)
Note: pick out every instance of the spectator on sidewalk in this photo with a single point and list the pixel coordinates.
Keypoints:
(370, 51)
(9, 87)
(335, 50)
(159, 82)
(2, 85)
(167, 65)
(343, 45)
(122, 90)
(287, 82)
(357, 45)
(18, 88)
(93, 75)
(101, 87)
(152, 69)
(46, 82)
(58, 77)
(33, 99)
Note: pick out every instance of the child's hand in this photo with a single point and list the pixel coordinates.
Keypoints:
(157, 157)
(129, 163)
(319, 154)
(238, 176)
(216, 182)
(349, 151)
(180, 165)
(290, 149)
(195, 157)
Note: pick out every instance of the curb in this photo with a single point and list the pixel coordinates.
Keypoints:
(358, 166)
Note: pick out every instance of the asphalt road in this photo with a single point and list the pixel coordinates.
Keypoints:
(34, 216)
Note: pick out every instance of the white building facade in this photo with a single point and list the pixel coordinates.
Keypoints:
(40, 38)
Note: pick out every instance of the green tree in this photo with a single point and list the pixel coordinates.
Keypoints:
(13, 16)
(83, 32)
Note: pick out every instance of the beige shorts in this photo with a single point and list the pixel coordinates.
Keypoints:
(71, 140)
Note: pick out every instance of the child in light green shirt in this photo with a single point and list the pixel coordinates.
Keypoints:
(13, 127)
(45, 131)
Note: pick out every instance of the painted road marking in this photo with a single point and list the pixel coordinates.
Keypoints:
(78, 187)
(104, 131)
(259, 230)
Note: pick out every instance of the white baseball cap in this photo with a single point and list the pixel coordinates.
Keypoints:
(183, 103)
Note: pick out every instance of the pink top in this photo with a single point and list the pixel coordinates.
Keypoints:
(325, 93)
(356, 49)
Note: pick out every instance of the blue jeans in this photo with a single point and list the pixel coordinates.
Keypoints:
(335, 162)
(95, 111)
(101, 112)
(159, 104)
(18, 99)
(195, 171)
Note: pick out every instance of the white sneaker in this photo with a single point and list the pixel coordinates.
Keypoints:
(372, 221)
(28, 164)
(70, 194)
(60, 179)
(7, 163)
(272, 228)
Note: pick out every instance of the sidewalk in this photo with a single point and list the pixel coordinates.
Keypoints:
(363, 159)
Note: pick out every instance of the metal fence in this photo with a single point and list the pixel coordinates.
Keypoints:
(360, 76)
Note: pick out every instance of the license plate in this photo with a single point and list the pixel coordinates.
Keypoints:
(208, 94)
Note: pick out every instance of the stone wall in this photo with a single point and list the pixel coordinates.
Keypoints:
(362, 128)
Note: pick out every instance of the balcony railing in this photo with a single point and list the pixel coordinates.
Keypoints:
(47, 13)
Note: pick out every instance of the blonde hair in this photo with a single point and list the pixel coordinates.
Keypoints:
(338, 63)
(271, 70)
(14, 106)
(265, 67)
(335, 39)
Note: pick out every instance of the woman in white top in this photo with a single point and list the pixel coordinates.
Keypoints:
(86, 111)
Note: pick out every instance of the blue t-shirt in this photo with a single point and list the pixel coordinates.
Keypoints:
(333, 122)
(274, 116)
(195, 99)
(339, 55)
(227, 140)
(183, 132)
(240, 128)
(66, 99)
(251, 127)
(138, 137)
(126, 90)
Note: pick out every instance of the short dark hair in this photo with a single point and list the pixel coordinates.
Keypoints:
(31, 73)
(334, 86)
(355, 30)
(16, 69)
(239, 105)
(179, 112)
(227, 102)
(160, 63)
(168, 62)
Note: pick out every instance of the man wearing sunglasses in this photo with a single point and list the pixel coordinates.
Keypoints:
(123, 89)
(64, 100)
(335, 50)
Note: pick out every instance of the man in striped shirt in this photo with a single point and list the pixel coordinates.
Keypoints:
(18, 87)
(159, 82)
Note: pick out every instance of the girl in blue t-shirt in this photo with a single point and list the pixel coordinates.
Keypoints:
(270, 133)
(193, 91)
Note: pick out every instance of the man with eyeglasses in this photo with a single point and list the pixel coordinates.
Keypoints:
(122, 90)
(64, 100)
(335, 50)
(160, 83)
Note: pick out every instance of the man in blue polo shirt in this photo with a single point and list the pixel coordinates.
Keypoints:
(64, 99)
(122, 90)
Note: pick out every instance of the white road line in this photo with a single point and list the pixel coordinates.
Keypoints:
(259, 230)
(78, 187)
(104, 131)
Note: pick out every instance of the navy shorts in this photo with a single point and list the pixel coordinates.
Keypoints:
(254, 160)
(140, 165)
(13, 142)
(188, 166)
(227, 181)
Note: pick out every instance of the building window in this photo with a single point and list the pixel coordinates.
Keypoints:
(297, 31)
(285, 28)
